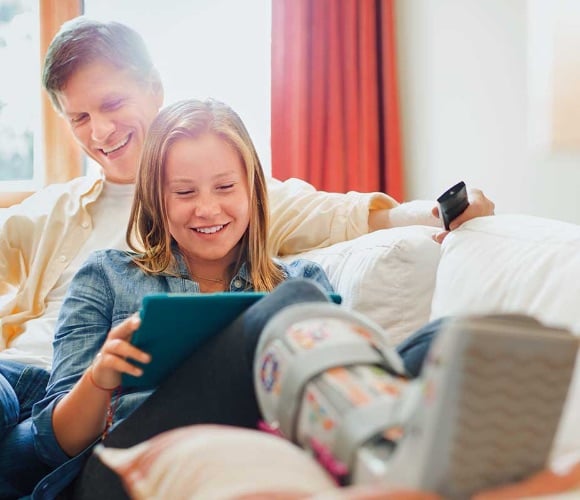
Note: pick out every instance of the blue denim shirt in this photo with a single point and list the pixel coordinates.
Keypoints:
(106, 290)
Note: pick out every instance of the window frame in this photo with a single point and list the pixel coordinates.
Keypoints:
(61, 156)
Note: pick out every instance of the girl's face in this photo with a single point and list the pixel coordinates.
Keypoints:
(207, 198)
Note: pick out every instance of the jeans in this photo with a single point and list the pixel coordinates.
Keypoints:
(19, 466)
(21, 386)
(413, 350)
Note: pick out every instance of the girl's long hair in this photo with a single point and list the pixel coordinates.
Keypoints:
(148, 232)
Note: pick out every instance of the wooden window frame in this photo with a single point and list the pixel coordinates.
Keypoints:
(62, 156)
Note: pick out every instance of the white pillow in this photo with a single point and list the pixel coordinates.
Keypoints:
(216, 462)
(511, 263)
(521, 264)
(388, 275)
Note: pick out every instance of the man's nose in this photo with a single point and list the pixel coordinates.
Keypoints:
(101, 128)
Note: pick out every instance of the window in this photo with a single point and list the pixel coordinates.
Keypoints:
(207, 48)
(202, 48)
(20, 166)
(36, 143)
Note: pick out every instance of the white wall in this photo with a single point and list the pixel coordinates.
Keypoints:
(465, 109)
(207, 48)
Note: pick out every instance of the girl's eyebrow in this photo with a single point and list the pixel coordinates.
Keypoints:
(225, 174)
(215, 177)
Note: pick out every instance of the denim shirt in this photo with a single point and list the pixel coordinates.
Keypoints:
(105, 291)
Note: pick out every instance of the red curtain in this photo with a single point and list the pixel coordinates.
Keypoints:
(335, 118)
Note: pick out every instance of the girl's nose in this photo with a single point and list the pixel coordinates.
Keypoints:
(207, 206)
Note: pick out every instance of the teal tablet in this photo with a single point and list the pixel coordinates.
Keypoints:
(173, 325)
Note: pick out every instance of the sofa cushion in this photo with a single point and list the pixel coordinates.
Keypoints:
(511, 263)
(388, 275)
(520, 264)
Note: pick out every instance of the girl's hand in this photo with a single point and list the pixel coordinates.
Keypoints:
(115, 356)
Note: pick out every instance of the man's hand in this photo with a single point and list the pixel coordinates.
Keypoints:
(426, 213)
(479, 206)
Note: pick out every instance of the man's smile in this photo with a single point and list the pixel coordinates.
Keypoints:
(115, 147)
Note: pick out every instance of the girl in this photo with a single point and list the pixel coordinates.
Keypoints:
(199, 223)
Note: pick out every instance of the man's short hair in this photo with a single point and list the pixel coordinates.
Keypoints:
(81, 41)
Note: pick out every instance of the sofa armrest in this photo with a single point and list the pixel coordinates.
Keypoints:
(388, 275)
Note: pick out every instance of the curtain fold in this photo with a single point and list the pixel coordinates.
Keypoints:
(335, 120)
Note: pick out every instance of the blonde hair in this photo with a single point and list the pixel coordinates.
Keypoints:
(148, 221)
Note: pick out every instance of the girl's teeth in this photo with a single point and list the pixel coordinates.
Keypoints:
(209, 230)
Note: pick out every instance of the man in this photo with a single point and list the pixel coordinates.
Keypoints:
(100, 78)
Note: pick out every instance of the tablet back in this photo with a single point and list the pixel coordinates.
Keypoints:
(174, 324)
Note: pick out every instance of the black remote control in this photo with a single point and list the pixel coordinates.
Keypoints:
(452, 203)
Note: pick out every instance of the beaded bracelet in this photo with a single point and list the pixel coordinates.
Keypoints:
(111, 409)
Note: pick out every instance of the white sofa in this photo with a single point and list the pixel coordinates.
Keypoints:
(402, 279)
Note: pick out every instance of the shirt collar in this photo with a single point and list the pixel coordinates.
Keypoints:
(243, 274)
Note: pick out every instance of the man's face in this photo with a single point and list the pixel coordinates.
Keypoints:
(109, 114)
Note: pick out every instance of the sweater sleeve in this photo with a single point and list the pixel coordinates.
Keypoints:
(303, 218)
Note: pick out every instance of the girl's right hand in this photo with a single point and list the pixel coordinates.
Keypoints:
(114, 357)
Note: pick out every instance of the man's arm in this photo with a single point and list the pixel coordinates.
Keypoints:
(427, 213)
(411, 213)
(303, 218)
